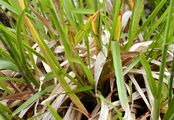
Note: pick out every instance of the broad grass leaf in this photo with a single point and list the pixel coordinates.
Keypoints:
(119, 75)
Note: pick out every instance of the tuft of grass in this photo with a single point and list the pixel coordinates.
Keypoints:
(86, 59)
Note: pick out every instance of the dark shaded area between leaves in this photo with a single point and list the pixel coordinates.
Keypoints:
(4, 19)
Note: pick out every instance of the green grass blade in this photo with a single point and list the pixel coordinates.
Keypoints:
(171, 81)
(18, 34)
(150, 79)
(4, 108)
(12, 49)
(169, 115)
(6, 55)
(114, 23)
(83, 11)
(6, 64)
(168, 29)
(32, 99)
(152, 16)
(136, 15)
(135, 62)
(2, 78)
(119, 75)
(4, 86)
(53, 111)
(14, 39)
(9, 7)
(82, 32)
(4, 116)
(154, 25)
(68, 6)
(15, 4)
(85, 69)
(92, 4)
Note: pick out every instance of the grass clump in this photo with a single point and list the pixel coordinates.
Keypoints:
(86, 59)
